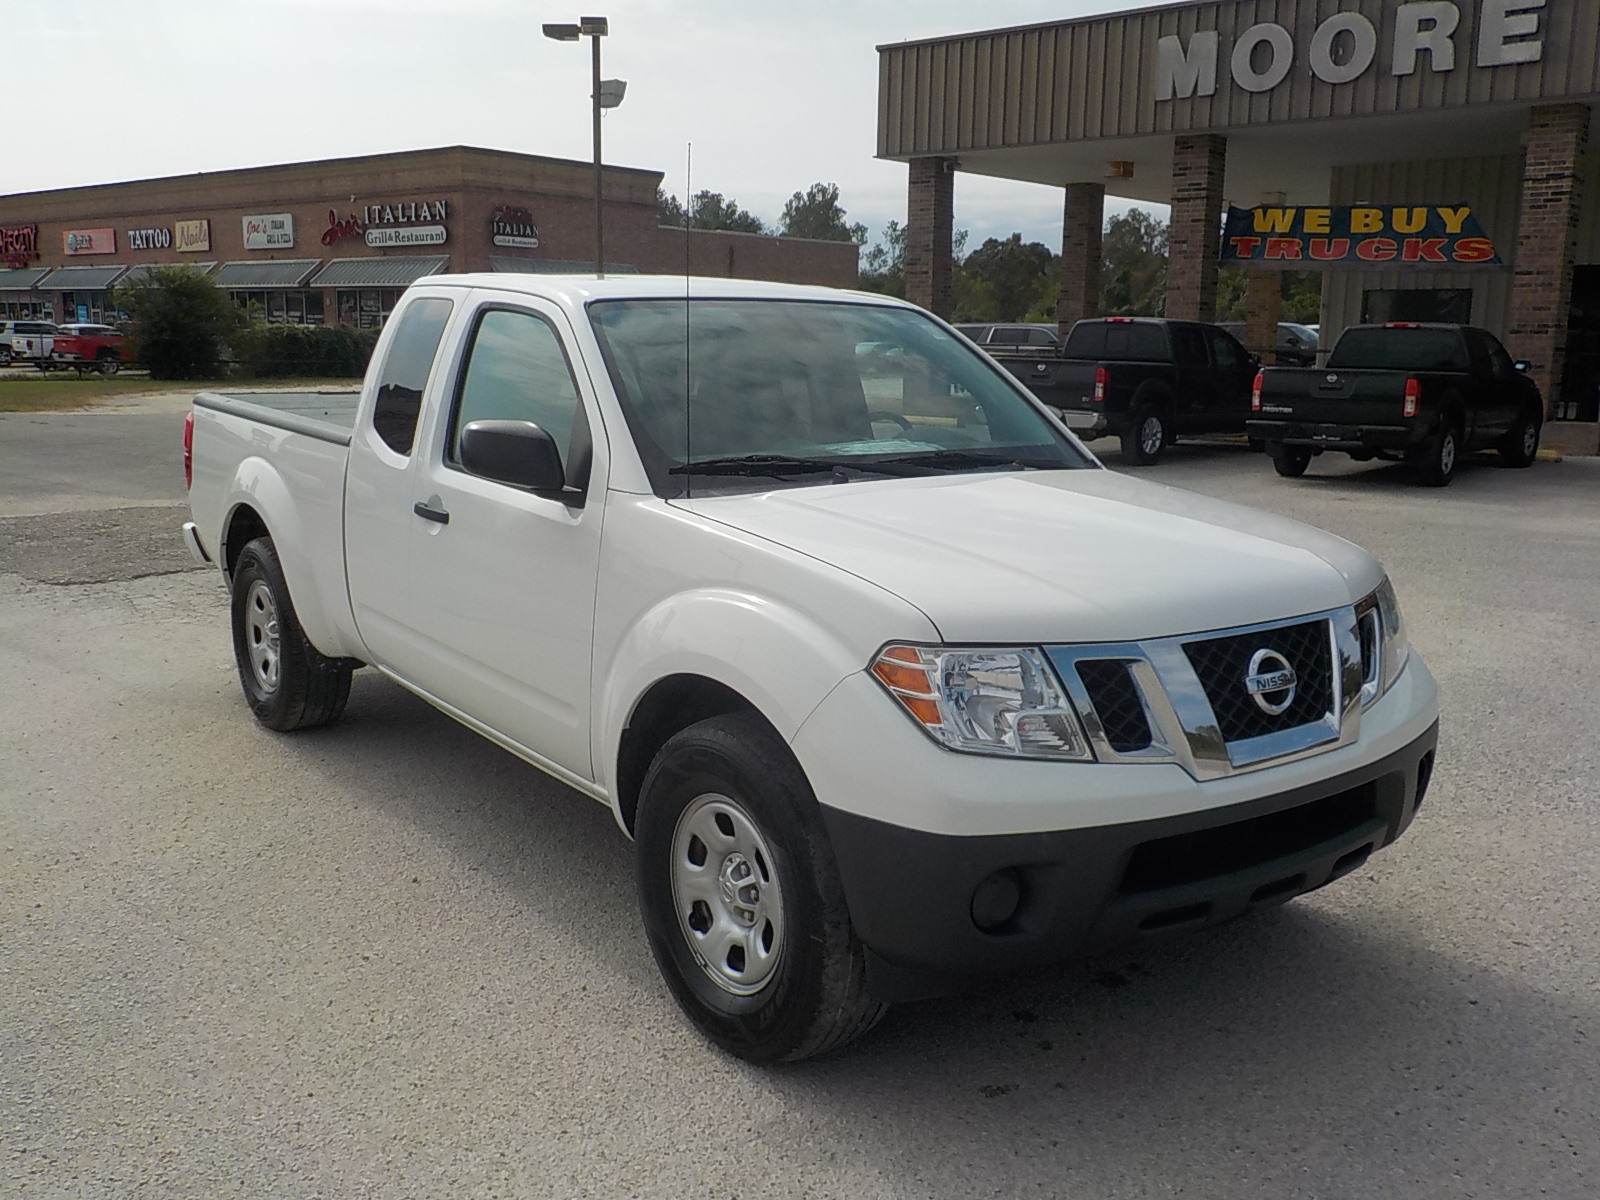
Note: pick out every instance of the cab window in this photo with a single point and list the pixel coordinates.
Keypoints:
(406, 367)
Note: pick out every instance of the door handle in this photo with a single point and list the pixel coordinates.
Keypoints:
(431, 514)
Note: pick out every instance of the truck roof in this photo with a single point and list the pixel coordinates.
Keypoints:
(581, 288)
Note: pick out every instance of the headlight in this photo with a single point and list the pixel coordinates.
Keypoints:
(1384, 649)
(1003, 702)
(1396, 649)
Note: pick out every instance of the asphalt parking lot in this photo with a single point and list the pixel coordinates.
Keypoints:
(388, 960)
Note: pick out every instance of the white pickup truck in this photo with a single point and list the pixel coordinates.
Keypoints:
(890, 681)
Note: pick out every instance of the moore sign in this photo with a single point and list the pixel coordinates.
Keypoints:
(1345, 47)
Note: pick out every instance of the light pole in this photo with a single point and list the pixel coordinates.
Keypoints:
(607, 94)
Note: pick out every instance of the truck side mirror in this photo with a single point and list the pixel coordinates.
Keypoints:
(518, 453)
(1522, 365)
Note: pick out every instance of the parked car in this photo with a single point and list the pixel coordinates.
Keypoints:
(1296, 345)
(31, 342)
(1422, 393)
(1143, 379)
(889, 680)
(1009, 337)
(100, 347)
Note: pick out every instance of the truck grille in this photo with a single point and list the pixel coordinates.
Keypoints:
(1223, 664)
(1116, 702)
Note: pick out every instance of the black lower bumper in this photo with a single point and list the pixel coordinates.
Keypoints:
(1393, 441)
(917, 900)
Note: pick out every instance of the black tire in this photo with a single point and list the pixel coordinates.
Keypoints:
(1149, 432)
(1289, 461)
(108, 365)
(5, 356)
(289, 685)
(1520, 446)
(1437, 461)
(810, 996)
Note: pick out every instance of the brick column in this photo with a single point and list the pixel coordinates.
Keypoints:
(1541, 288)
(930, 224)
(1199, 166)
(1263, 309)
(1082, 254)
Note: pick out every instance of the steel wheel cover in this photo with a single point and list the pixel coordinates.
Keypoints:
(1530, 440)
(261, 635)
(1447, 453)
(727, 895)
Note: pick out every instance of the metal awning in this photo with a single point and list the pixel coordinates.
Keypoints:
(21, 279)
(554, 266)
(137, 274)
(72, 279)
(278, 273)
(397, 271)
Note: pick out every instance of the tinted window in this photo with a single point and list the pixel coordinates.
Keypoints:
(517, 371)
(1226, 352)
(1188, 346)
(1042, 337)
(406, 367)
(1136, 342)
(1400, 350)
(1087, 340)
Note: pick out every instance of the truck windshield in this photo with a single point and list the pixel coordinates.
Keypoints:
(1387, 349)
(779, 393)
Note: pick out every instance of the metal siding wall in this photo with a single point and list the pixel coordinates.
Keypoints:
(1588, 253)
(1095, 78)
(1493, 186)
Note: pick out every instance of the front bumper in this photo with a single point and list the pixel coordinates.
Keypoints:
(913, 895)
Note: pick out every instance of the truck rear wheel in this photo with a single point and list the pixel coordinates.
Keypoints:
(1436, 464)
(741, 898)
(288, 682)
(1146, 437)
(1289, 461)
(108, 365)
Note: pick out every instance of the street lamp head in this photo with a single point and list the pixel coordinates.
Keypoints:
(563, 33)
(612, 91)
(593, 26)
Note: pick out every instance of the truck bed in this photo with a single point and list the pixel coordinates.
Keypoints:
(327, 416)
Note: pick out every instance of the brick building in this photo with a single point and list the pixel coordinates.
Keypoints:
(339, 240)
(1435, 159)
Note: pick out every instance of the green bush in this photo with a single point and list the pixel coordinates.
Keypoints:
(180, 322)
(276, 351)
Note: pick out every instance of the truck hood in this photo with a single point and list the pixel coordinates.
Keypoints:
(1059, 556)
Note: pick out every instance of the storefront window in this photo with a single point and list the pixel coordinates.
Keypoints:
(1452, 306)
(280, 304)
(367, 307)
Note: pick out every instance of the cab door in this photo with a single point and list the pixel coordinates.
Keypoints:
(501, 580)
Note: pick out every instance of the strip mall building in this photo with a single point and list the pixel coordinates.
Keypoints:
(339, 240)
(1433, 157)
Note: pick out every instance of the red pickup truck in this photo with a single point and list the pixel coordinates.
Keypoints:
(83, 346)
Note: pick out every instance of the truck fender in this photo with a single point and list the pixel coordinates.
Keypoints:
(778, 659)
(319, 602)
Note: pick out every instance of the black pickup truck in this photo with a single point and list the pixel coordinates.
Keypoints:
(1142, 379)
(1404, 391)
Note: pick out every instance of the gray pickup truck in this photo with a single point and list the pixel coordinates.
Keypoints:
(1405, 391)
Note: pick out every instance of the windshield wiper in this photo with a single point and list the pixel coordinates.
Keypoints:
(958, 460)
(778, 465)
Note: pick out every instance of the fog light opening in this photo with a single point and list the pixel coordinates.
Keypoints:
(1424, 775)
(996, 899)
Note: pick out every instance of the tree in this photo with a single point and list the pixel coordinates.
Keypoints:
(1134, 282)
(707, 210)
(181, 321)
(883, 267)
(1008, 280)
(816, 214)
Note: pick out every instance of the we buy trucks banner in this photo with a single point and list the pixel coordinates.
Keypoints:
(1427, 236)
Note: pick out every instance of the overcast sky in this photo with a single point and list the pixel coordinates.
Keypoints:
(773, 96)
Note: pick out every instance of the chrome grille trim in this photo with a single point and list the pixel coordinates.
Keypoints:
(1184, 728)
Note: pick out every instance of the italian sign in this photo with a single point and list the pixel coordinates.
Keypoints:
(19, 245)
(1365, 236)
(513, 226)
(269, 231)
(406, 235)
(191, 237)
(89, 241)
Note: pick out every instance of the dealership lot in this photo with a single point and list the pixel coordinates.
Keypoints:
(389, 960)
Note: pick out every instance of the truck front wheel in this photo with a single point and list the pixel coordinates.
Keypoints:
(289, 684)
(741, 898)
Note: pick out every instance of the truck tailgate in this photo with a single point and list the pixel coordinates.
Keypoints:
(1318, 396)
